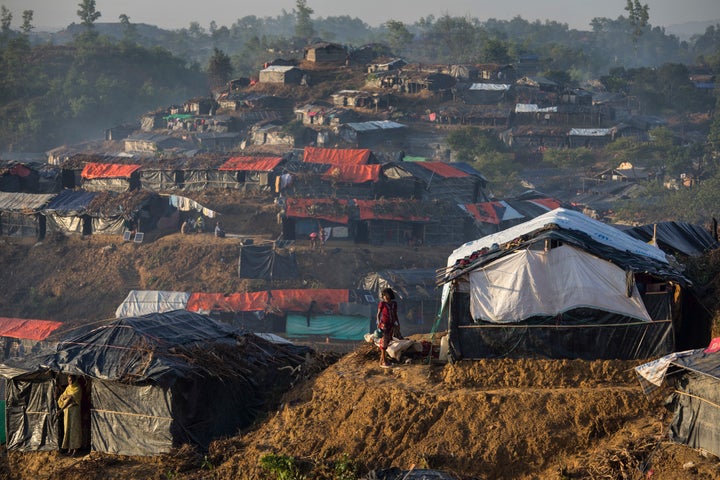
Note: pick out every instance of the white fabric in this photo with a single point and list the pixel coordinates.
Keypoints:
(140, 302)
(567, 220)
(534, 282)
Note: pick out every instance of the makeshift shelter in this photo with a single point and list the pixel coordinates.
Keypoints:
(112, 213)
(498, 215)
(330, 313)
(285, 74)
(564, 286)
(153, 383)
(20, 214)
(141, 302)
(104, 177)
(374, 133)
(676, 237)
(437, 180)
(265, 262)
(24, 336)
(67, 212)
(338, 156)
(419, 299)
(246, 310)
(695, 401)
(250, 173)
(306, 215)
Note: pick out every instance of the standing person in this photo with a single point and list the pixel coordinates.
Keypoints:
(313, 240)
(387, 320)
(69, 404)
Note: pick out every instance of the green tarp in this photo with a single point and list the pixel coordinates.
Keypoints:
(338, 327)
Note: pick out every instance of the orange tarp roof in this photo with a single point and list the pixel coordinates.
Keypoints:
(298, 300)
(368, 212)
(549, 203)
(326, 300)
(337, 156)
(320, 208)
(26, 328)
(443, 169)
(235, 302)
(353, 173)
(108, 170)
(255, 164)
(485, 212)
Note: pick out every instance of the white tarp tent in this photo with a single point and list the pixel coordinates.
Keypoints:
(141, 302)
(530, 283)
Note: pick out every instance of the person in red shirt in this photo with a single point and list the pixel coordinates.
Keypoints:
(388, 323)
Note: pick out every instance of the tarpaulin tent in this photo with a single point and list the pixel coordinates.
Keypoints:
(562, 286)
(141, 302)
(155, 382)
(338, 156)
(250, 173)
(67, 212)
(266, 263)
(21, 336)
(676, 237)
(418, 297)
(20, 214)
(695, 375)
(333, 313)
(113, 177)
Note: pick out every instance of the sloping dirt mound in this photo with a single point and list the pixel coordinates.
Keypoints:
(493, 419)
(498, 419)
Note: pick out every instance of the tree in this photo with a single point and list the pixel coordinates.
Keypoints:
(5, 21)
(87, 13)
(398, 36)
(219, 69)
(27, 25)
(129, 30)
(496, 51)
(638, 16)
(303, 24)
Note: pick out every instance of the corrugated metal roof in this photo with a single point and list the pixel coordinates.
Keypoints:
(495, 87)
(375, 125)
(590, 132)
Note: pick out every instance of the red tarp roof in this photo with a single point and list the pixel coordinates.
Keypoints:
(108, 170)
(27, 329)
(353, 173)
(236, 302)
(255, 164)
(444, 170)
(549, 203)
(337, 156)
(326, 301)
(486, 212)
(320, 208)
(368, 211)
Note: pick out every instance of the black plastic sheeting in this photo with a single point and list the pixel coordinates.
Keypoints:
(156, 382)
(586, 334)
(676, 237)
(410, 284)
(265, 263)
(696, 419)
(415, 474)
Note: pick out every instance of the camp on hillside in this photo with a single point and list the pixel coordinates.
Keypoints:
(565, 286)
(150, 383)
(695, 378)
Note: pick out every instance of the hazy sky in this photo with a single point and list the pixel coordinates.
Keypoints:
(175, 14)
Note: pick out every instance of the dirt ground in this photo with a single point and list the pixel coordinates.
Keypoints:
(492, 419)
